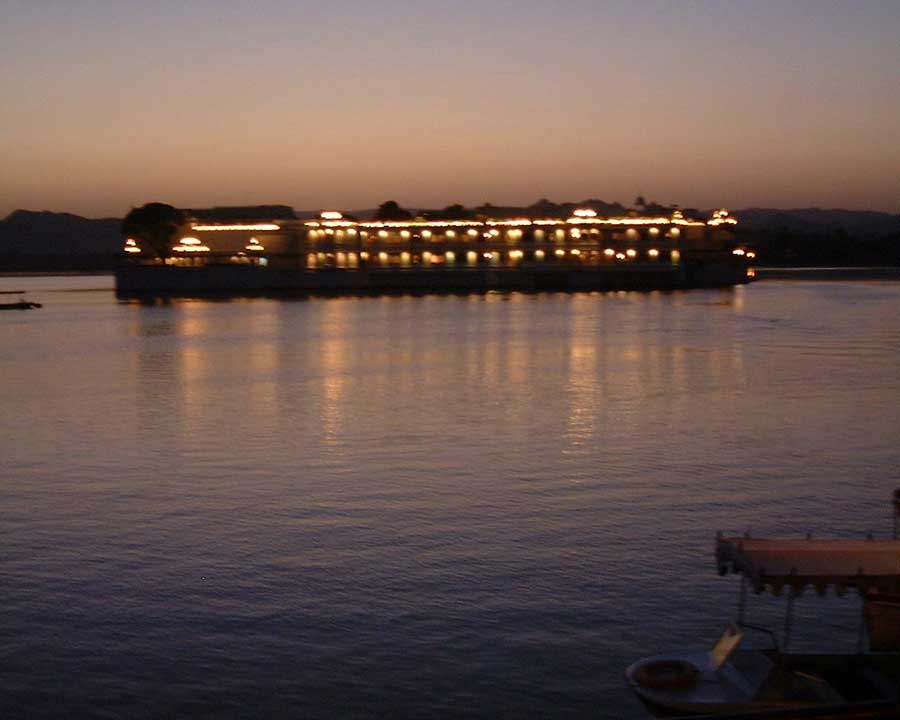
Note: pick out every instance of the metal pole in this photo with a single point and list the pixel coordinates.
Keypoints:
(862, 620)
(896, 510)
(787, 619)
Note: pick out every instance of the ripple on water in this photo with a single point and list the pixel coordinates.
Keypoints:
(481, 506)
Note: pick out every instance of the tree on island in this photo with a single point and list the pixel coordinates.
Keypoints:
(455, 212)
(390, 210)
(153, 225)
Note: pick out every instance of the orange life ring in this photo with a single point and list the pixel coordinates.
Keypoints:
(666, 674)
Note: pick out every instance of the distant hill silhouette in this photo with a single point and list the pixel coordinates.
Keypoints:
(854, 222)
(48, 241)
(58, 241)
(817, 237)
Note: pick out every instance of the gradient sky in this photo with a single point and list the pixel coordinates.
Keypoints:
(347, 103)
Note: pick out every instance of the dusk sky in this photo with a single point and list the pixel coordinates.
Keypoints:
(344, 104)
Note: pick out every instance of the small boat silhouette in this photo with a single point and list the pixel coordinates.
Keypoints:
(19, 304)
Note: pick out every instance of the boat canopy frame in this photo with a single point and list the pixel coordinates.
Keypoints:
(769, 564)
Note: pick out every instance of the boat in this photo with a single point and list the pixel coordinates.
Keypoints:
(733, 677)
(20, 304)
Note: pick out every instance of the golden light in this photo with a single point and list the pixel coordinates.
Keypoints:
(751, 255)
(249, 228)
(560, 252)
(654, 231)
(634, 221)
(383, 257)
(676, 257)
(450, 257)
(738, 251)
(721, 217)
(609, 252)
(472, 257)
(426, 234)
(419, 223)
(631, 252)
(580, 217)
(653, 252)
(190, 248)
(576, 234)
(190, 244)
(405, 234)
(539, 254)
(576, 252)
(382, 234)
(331, 215)
(620, 256)
(515, 221)
(472, 232)
(450, 233)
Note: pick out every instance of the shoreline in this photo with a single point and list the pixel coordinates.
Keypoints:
(762, 273)
(828, 273)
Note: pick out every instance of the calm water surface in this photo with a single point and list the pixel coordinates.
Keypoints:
(481, 506)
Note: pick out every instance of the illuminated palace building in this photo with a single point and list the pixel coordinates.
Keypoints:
(334, 254)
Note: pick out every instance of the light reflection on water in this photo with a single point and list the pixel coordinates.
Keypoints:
(481, 505)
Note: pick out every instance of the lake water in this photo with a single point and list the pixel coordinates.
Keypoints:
(482, 506)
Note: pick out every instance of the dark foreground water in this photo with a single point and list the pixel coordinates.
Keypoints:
(417, 507)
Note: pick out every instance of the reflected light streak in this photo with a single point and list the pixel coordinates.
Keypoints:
(582, 385)
(334, 361)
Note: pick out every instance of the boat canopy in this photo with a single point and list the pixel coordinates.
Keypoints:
(771, 564)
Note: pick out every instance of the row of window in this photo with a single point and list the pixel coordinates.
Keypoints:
(450, 258)
(472, 258)
(512, 234)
